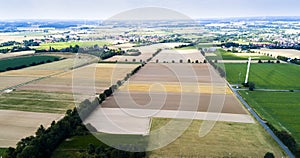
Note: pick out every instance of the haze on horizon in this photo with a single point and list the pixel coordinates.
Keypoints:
(101, 10)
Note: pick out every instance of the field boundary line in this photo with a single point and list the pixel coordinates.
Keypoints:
(262, 122)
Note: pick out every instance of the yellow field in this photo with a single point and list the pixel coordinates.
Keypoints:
(177, 88)
(226, 139)
(16, 77)
(30, 73)
(98, 76)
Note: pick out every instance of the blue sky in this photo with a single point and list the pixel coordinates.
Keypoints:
(103, 9)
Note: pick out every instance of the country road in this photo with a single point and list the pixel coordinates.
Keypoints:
(262, 123)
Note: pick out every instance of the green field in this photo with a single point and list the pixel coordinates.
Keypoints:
(22, 62)
(224, 55)
(62, 45)
(36, 101)
(266, 76)
(224, 140)
(74, 146)
(2, 151)
(281, 109)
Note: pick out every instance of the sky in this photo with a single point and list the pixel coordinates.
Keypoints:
(104, 9)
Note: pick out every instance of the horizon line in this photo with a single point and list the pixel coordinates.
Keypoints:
(202, 18)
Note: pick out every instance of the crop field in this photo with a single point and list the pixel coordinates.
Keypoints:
(224, 140)
(37, 101)
(178, 55)
(290, 53)
(178, 88)
(15, 54)
(224, 55)
(16, 77)
(16, 125)
(159, 87)
(61, 45)
(146, 52)
(266, 76)
(99, 76)
(281, 109)
(7, 64)
(195, 86)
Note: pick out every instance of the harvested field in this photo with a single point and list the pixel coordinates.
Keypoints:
(290, 53)
(169, 88)
(124, 46)
(178, 55)
(176, 101)
(10, 81)
(17, 77)
(16, 54)
(98, 76)
(16, 125)
(226, 139)
(182, 73)
(177, 88)
(147, 52)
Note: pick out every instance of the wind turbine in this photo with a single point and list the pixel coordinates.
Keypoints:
(248, 70)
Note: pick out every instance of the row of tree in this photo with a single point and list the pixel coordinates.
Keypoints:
(218, 68)
(286, 59)
(286, 139)
(46, 141)
(73, 49)
(9, 43)
(86, 107)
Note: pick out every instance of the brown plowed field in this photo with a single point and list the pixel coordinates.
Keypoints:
(176, 101)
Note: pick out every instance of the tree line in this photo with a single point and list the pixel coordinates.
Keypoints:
(46, 141)
(287, 139)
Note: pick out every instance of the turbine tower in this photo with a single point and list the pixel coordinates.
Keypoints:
(248, 70)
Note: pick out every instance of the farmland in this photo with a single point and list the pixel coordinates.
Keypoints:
(36, 101)
(290, 53)
(281, 109)
(99, 75)
(74, 146)
(142, 95)
(221, 54)
(146, 52)
(183, 55)
(17, 77)
(21, 62)
(224, 140)
(16, 125)
(62, 45)
(15, 54)
(266, 76)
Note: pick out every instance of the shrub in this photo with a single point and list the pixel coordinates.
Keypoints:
(251, 86)
(269, 155)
